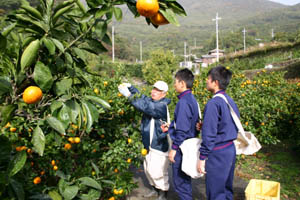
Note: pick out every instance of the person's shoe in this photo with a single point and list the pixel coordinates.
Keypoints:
(153, 192)
(162, 195)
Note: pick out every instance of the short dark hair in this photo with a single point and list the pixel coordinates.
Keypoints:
(221, 74)
(187, 76)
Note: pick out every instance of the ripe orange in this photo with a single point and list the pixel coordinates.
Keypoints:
(111, 198)
(147, 8)
(53, 162)
(116, 170)
(55, 168)
(144, 152)
(7, 125)
(159, 19)
(12, 129)
(77, 140)
(71, 140)
(42, 172)
(116, 191)
(68, 146)
(129, 140)
(129, 160)
(32, 94)
(96, 90)
(37, 180)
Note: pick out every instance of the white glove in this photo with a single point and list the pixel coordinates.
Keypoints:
(123, 89)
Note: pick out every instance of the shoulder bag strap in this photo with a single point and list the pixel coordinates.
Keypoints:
(235, 119)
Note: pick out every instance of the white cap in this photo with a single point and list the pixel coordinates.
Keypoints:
(161, 85)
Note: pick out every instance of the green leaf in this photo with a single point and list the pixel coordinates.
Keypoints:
(38, 141)
(92, 195)
(80, 54)
(17, 163)
(18, 189)
(49, 45)
(42, 76)
(54, 195)
(95, 168)
(7, 113)
(64, 116)
(102, 11)
(5, 149)
(88, 116)
(63, 86)
(94, 111)
(118, 13)
(56, 125)
(74, 109)
(90, 182)
(5, 85)
(70, 192)
(91, 45)
(177, 8)
(29, 54)
(8, 29)
(3, 42)
(98, 100)
(55, 105)
(170, 16)
(58, 44)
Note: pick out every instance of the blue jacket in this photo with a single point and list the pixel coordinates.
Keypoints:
(151, 109)
(218, 126)
(186, 116)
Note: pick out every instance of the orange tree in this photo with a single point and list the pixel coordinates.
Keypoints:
(268, 104)
(78, 137)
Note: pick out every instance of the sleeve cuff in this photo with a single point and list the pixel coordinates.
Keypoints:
(175, 147)
(203, 157)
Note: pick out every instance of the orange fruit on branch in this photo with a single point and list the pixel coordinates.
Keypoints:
(37, 180)
(32, 94)
(159, 19)
(147, 8)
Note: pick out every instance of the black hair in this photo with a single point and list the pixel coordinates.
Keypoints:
(221, 74)
(187, 76)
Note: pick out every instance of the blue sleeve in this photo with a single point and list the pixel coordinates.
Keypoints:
(133, 90)
(147, 106)
(209, 129)
(183, 123)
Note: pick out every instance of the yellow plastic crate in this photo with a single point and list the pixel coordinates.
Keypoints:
(262, 190)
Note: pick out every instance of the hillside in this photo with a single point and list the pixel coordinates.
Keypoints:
(198, 24)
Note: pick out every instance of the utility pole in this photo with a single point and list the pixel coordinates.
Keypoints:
(141, 51)
(217, 34)
(244, 31)
(272, 34)
(113, 43)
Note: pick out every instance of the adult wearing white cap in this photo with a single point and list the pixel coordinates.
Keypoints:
(154, 111)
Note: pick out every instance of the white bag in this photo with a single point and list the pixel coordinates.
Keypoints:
(190, 155)
(246, 143)
(156, 165)
(123, 89)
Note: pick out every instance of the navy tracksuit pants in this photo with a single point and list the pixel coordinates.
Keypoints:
(182, 182)
(220, 173)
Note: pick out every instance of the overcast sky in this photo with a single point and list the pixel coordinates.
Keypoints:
(287, 2)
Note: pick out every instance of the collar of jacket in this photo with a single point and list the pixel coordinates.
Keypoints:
(220, 92)
(184, 93)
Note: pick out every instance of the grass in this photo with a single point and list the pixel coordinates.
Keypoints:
(280, 163)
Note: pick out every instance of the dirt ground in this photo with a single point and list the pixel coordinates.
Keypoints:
(197, 184)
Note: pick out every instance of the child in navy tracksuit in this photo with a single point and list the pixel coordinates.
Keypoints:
(182, 128)
(217, 151)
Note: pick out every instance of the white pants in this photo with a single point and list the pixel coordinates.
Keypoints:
(156, 165)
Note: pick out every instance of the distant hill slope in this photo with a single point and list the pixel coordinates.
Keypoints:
(198, 24)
